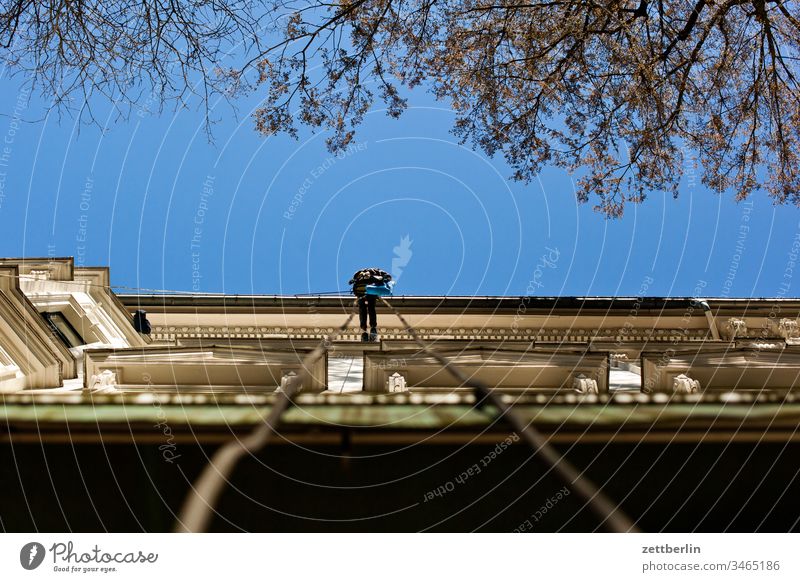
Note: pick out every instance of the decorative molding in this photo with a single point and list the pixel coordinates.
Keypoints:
(207, 368)
(175, 333)
(88, 305)
(506, 370)
(735, 368)
(755, 344)
(43, 268)
(26, 343)
(788, 328)
(31, 286)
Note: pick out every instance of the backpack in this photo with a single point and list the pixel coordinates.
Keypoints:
(366, 277)
(140, 322)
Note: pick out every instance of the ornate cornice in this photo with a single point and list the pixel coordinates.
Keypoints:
(176, 333)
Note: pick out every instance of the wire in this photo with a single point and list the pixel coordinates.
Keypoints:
(162, 291)
(597, 500)
(112, 287)
(197, 510)
(311, 294)
(347, 375)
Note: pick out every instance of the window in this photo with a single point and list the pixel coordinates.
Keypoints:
(63, 329)
(624, 375)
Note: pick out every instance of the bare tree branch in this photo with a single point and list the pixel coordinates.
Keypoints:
(619, 92)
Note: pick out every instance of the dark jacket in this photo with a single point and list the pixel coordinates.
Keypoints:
(364, 277)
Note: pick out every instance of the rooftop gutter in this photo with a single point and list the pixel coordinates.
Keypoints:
(490, 304)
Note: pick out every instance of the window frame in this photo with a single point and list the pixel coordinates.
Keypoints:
(67, 334)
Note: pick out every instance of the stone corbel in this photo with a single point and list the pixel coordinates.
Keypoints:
(584, 385)
(105, 381)
(737, 327)
(683, 384)
(788, 328)
(286, 377)
(397, 383)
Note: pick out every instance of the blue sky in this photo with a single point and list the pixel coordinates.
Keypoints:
(152, 198)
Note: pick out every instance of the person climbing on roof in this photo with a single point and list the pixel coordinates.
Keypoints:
(366, 301)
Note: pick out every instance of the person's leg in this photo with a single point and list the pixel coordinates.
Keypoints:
(362, 312)
(362, 317)
(373, 316)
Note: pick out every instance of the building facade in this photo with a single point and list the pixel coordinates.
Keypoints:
(62, 323)
(635, 389)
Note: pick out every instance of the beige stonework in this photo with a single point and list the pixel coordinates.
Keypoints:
(513, 344)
